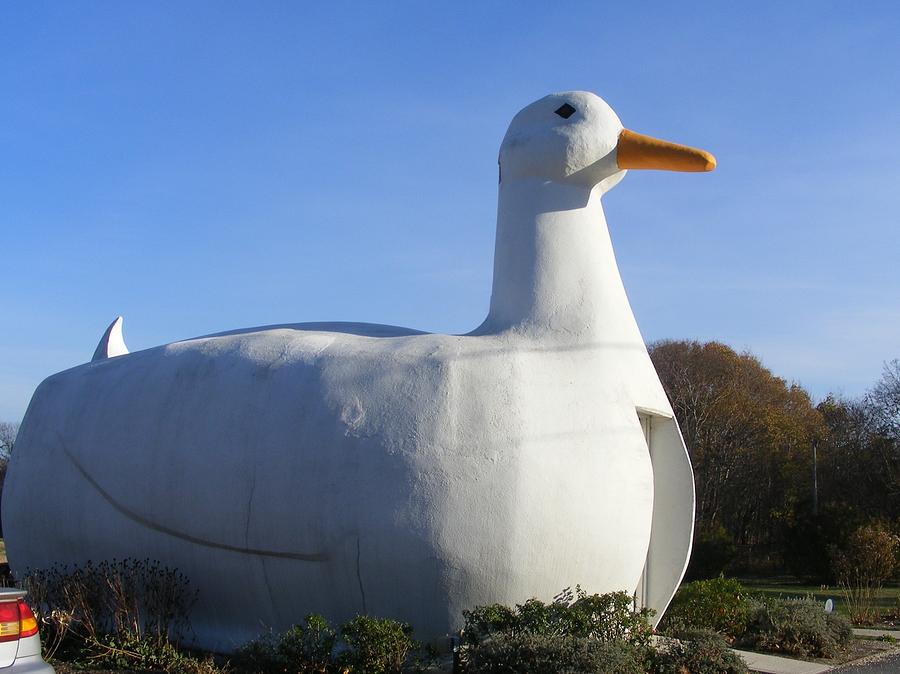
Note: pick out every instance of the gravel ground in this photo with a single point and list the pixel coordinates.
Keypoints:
(876, 664)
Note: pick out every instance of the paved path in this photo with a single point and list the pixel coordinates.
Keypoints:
(773, 664)
(874, 634)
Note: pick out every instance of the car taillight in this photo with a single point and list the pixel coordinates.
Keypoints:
(16, 621)
(9, 620)
(28, 625)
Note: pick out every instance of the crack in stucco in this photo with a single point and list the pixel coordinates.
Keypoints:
(155, 526)
(362, 591)
(272, 605)
(249, 508)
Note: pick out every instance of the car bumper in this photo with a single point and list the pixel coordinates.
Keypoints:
(29, 664)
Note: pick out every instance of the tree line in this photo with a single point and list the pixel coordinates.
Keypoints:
(8, 432)
(782, 483)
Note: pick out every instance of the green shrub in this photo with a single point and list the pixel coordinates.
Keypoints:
(702, 652)
(303, 649)
(718, 604)
(375, 645)
(796, 627)
(131, 652)
(535, 653)
(311, 643)
(576, 632)
(602, 617)
(839, 628)
(364, 646)
(482, 621)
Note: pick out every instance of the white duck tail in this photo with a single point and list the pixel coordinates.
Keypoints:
(112, 343)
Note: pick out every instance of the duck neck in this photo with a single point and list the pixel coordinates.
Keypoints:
(554, 268)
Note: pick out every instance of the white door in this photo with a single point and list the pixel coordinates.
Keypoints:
(640, 593)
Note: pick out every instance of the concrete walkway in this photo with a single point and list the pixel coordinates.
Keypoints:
(773, 664)
(874, 634)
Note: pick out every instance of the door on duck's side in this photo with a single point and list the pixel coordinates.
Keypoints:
(640, 594)
(673, 512)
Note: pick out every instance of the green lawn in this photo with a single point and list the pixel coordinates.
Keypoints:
(887, 599)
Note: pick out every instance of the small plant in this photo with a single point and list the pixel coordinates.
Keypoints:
(602, 617)
(375, 645)
(702, 652)
(576, 632)
(511, 652)
(314, 642)
(131, 652)
(796, 627)
(363, 645)
(718, 604)
(304, 648)
(861, 566)
(483, 621)
(55, 628)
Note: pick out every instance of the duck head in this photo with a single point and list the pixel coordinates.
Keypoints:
(576, 138)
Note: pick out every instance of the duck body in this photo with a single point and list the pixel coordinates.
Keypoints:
(348, 469)
(352, 475)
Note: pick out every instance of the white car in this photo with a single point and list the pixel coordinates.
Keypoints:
(20, 643)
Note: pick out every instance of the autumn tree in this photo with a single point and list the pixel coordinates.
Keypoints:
(8, 433)
(750, 436)
(850, 472)
(883, 401)
(859, 457)
(862, 564)
(850, 491)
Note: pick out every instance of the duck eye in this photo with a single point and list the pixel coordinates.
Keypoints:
(565, 111)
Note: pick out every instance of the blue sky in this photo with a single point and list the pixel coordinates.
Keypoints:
(205, 166)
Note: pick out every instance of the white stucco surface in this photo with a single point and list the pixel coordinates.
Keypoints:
(350, 468)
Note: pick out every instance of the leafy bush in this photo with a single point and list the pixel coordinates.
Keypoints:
(516, 652)
(483, 621)
(702, 652)
(130, 652)
(718, 604)
(375, 645)
(602, 617)
(576, 632)
(797, 627)
(793, 626)
(112, 609)
(365, 646)
(305, 648)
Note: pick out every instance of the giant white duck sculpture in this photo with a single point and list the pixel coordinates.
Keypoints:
(351, 468)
